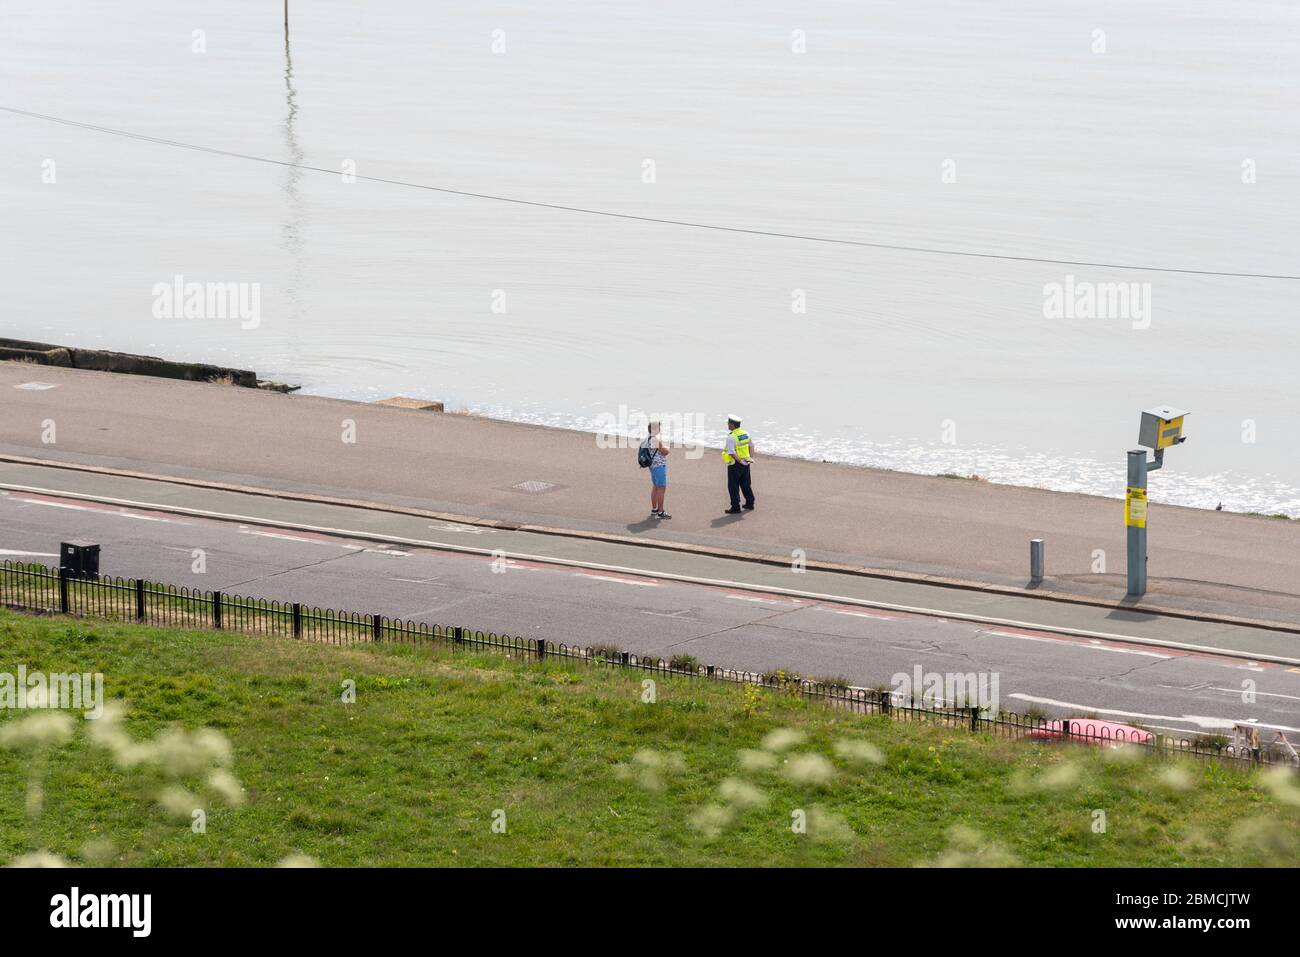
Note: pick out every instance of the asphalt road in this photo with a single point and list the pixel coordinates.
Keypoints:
(908, 524)
(1162, 688)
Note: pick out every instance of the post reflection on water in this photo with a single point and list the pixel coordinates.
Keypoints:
(291, 231)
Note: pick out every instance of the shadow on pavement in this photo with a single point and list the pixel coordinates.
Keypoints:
(1131, 614)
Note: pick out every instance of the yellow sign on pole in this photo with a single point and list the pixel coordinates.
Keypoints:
(1135, 508)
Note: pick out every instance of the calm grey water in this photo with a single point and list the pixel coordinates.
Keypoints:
(927, 363)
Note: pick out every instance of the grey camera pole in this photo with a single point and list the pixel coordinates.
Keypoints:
(1135, 517)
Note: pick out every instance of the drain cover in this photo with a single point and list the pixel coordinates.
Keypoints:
(533, 486)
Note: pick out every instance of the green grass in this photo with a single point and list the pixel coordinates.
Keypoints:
(585, 771)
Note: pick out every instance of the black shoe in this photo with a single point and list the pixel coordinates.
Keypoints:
(749, 507)
(731, 511)
(663, 514)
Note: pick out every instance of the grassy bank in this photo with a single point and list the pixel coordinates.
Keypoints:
(572, 762)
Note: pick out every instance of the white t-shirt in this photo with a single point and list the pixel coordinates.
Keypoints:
(658, 459)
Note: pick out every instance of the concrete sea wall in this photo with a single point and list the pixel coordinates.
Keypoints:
(103, 360)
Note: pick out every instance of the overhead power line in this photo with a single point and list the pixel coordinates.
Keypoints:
(611, 214)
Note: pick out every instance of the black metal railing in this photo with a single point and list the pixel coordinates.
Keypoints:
(36, 588)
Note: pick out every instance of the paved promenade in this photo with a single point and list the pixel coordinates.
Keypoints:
(892, 523)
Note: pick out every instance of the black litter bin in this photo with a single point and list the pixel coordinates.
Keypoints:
(79, 559)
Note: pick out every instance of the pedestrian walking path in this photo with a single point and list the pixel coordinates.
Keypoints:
(895, 526)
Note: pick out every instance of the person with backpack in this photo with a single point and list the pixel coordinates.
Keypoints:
(653, 455)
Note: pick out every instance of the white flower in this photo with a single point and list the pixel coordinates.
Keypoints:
(711, 819)
(742, 794)
(1281, 783)
(859, 752)
(826, 827)
(38, 859)
(109, 732)
(967, 847)
(1175, 778)
(752, 760)
(809, 769)
(782, 738)
(177, 801)
(40, 730)
(224, 784)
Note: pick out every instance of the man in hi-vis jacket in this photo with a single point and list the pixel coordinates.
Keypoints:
(738, 454)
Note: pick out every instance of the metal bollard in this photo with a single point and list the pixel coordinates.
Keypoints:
(1036, 561)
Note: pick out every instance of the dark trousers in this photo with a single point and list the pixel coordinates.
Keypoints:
(737, 482)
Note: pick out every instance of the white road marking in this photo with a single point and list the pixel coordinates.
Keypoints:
(10, 551)
(1092, 645)
(120, 513)
(1165, 727)
(298, 538)
(621, 581)
(766, 601)
(1010, 634)
(386, 551)
(465, 529)
(1236, 692)
(1201, 721)
(510, 563)
(417, 581)
(863, 614)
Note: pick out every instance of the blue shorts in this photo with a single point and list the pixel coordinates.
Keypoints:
(659, 476)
